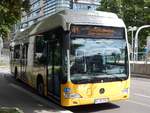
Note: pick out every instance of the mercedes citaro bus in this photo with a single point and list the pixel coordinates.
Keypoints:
(74, 58)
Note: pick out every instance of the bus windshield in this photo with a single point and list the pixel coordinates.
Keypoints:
(93, 59)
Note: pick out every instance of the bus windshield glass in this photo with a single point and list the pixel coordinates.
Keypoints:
(93, 59)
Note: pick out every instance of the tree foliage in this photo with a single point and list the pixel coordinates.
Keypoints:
(10, 13)
(111, 6)
(133, 12)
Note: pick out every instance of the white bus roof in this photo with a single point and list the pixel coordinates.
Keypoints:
(67, 17)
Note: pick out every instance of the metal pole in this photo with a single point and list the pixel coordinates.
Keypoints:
(136, 39)
(132, 46)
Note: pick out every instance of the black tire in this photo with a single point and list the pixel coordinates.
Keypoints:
(40, 88)
(16, 73)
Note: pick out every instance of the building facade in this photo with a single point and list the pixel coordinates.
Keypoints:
(85, 4)
(43, 8)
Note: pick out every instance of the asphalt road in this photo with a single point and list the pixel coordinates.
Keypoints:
(17, 94)
(139, 101)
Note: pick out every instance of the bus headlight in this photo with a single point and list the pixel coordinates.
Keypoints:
(68, 95)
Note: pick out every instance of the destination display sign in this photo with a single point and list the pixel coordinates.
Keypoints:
(97, 32)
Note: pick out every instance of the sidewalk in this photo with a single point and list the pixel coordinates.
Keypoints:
(14, 94)
(5, 69)
(10, 110)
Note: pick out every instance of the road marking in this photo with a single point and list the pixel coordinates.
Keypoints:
(139, 103)
(141, 95)
(145, 83)
(140, 81)
(40, 99)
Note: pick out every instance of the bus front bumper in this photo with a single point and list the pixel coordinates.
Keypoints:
(86, 101)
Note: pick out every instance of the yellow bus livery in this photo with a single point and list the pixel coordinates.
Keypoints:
(74, 58)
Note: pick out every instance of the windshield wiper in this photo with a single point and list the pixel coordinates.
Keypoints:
(82, 81)
(119, 78)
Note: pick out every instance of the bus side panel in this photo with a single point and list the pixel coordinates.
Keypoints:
(15, 59)
(39, 70)
(33, 70)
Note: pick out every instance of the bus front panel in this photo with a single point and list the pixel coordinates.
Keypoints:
(98, 64)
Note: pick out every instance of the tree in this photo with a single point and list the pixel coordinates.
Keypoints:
(147, 11)
(133, 12)
(10, 13)
(110, 6)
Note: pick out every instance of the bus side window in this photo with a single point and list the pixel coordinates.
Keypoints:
(17, 52)
(40, 55)
(57, 58)
(25, 52)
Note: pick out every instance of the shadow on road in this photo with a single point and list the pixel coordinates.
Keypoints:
(93, 108)
(12, 95)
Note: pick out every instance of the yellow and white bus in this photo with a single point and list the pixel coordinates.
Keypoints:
(74, 58)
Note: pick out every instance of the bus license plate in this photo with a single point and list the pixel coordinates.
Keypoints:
(102, 100)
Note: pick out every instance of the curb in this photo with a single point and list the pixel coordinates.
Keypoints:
(7, 66)
(42, 100)
(10, 110)
(140, 75)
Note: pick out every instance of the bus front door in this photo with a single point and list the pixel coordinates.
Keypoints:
(23, 62)
(54, 70)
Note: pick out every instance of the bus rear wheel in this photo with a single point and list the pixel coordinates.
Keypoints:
(16, 73)
(40, 88)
